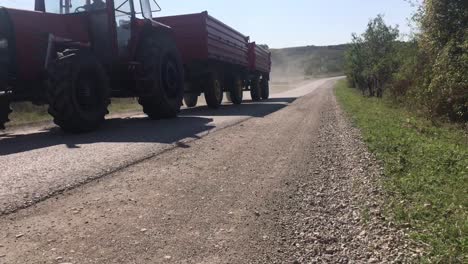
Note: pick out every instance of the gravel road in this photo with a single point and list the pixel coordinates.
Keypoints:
(284, 181)
(38, 162)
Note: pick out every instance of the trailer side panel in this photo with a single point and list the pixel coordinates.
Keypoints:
(201, 37)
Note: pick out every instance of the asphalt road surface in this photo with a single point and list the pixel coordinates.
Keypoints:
(279, 181)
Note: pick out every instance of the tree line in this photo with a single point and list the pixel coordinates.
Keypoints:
(428, 71)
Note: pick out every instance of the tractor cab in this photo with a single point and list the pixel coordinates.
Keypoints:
(75, 54)
(111, 22)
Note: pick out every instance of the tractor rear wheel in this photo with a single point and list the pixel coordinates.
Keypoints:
(265, 87)
(5, 110)
(235, 90)
(163, 76)
(213, 91)
(78, 92)
(255, 89)
(190, 99)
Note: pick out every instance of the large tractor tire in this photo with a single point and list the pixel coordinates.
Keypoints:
(265, 87)
(5, 110)
(78, 92)
(163, 76)
(213, 91)
(235, 90)
(255, 89)
(190, 99)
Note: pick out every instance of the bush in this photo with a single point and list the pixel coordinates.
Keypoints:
(448, 89)
(443, 38)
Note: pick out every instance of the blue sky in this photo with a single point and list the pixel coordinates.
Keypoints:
(281, 23)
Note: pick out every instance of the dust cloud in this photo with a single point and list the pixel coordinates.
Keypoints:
(286, 72)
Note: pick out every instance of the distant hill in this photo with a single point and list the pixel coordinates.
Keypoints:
(309, 61)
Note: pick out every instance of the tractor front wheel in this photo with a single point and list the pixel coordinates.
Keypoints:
(163, 76)
(5, 110)
(78, 92)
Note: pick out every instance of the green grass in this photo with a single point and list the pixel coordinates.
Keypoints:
(27, 113)
(426, 172)
(122, 105)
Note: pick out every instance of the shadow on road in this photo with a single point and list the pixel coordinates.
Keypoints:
(247, 108)
(140, 129)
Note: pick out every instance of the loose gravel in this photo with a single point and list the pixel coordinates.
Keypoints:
(335, 214)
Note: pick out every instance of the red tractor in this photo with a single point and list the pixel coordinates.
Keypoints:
(74, 55)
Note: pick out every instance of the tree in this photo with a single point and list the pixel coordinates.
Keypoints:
(355, 63)
(370, 61)
(380, 44)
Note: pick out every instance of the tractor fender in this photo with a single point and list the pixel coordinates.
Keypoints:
(149, 28)
(152, 28)
(58, 44)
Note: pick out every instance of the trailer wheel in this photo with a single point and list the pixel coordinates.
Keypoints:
(5, 110)
(163, 77)
(255, 89)
(78, 92)
(236, 92)
(265, 89)
(213, 91)
(190, 99)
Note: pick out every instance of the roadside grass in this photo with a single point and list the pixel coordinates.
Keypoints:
(122, 105)
(426, 172)
(27, 113)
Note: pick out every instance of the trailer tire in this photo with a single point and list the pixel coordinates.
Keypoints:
(265, 89)
(213, 91)
(78, 92)
(190, 99)
(163, 77)
(255, 89)
(5, 111)
(235, 90)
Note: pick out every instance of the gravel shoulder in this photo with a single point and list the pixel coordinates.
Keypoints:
(292, 186)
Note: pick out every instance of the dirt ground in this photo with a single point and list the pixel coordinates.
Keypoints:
(295, 185)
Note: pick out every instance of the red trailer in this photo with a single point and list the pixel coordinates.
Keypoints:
(215, 58)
